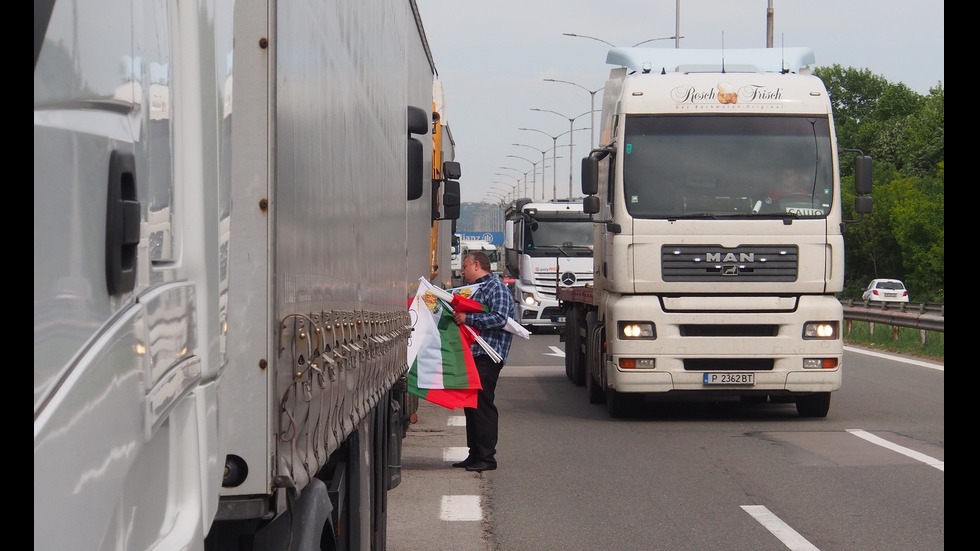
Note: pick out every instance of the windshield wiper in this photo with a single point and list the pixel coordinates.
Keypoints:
(706, 215)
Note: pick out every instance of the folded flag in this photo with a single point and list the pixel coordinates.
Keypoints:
(462, 302)
(441, 369)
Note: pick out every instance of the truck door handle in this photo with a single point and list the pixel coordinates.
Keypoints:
(122, 232)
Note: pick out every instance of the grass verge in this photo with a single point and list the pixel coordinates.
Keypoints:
(903, 340)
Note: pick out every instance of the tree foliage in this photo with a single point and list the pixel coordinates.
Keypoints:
(904, 236)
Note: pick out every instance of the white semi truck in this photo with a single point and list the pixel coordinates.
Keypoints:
(467, 246)
(547, 245)
(719, 226)
(231, 202)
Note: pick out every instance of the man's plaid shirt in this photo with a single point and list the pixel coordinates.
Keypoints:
(495, 295)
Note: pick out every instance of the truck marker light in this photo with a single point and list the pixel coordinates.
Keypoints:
(637, 363)
(819, 363)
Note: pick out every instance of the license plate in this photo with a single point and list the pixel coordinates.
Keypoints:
(729, 378)
(559, 319)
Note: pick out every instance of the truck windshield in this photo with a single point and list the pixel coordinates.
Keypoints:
(723, 166)
(572, 237)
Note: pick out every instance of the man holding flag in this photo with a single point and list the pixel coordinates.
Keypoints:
(491, 321)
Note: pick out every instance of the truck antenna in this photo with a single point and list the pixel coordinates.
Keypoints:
(722, 51)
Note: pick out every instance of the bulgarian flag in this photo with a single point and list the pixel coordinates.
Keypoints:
(441, 369)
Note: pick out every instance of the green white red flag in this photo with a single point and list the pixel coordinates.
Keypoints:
(441, 369)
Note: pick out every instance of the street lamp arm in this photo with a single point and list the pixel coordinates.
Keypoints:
(573, 84)
(589, 37)
(661, 38)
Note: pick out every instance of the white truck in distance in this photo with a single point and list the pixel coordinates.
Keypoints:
(546, 245)
(718, 229)
(467, 246)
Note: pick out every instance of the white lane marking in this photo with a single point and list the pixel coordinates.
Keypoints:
(896, 357)
(555, 351)
(790, 538)
(931, 461)
(461, 508)
(456, 421)
(453, 455)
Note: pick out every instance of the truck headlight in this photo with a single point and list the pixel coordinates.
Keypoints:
(529, 299)
(823, 330)
(637, 330)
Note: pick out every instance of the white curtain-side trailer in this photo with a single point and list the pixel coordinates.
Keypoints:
(232, 200)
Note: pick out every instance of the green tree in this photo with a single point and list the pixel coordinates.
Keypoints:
(904, 237)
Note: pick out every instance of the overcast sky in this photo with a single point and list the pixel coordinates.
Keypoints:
(492, 59)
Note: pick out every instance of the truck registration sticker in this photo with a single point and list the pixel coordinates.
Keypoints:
(729, 378)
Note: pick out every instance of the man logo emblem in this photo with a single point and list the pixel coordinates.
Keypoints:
(729, 270)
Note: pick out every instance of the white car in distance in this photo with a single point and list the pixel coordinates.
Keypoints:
(886, 290)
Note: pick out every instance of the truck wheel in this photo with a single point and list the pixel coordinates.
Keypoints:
(813, 405)
(621, 405)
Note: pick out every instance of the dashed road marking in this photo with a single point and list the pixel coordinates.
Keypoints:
(461, 508)
(790, 538)
(455, 454)
(456, 421)
(931, 461)
(555, 351)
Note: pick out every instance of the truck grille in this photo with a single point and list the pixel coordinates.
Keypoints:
(717, 263)
(546, 282)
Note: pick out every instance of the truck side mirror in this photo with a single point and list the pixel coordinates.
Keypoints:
(590, 175)
(450, 200)
(590, 205)
(862, 174)
(418, 123)
(863, 204)
(451, 170)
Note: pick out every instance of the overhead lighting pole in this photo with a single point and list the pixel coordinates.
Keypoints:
(534, 174)
(554, 157)
(517, 181)
(571, 142)
(542, 152)
(593, 110)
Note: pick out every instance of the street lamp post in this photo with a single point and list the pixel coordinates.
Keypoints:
(591, 93)
(542, 152)
(534, 173)
(571, 142)
(554, 158)
(513, 188)
(522, 173)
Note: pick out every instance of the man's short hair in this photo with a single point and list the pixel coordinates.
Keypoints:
(480, 258)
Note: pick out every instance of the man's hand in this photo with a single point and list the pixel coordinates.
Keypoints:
(460, 317)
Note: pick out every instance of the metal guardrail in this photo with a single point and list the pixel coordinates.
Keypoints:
(923, 316)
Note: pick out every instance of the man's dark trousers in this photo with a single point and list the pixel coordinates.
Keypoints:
(481, 421)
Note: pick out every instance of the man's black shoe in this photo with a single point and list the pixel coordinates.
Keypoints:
(480, 466)
(464, 463)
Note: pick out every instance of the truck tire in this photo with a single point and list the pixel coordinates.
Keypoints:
(813, 405)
